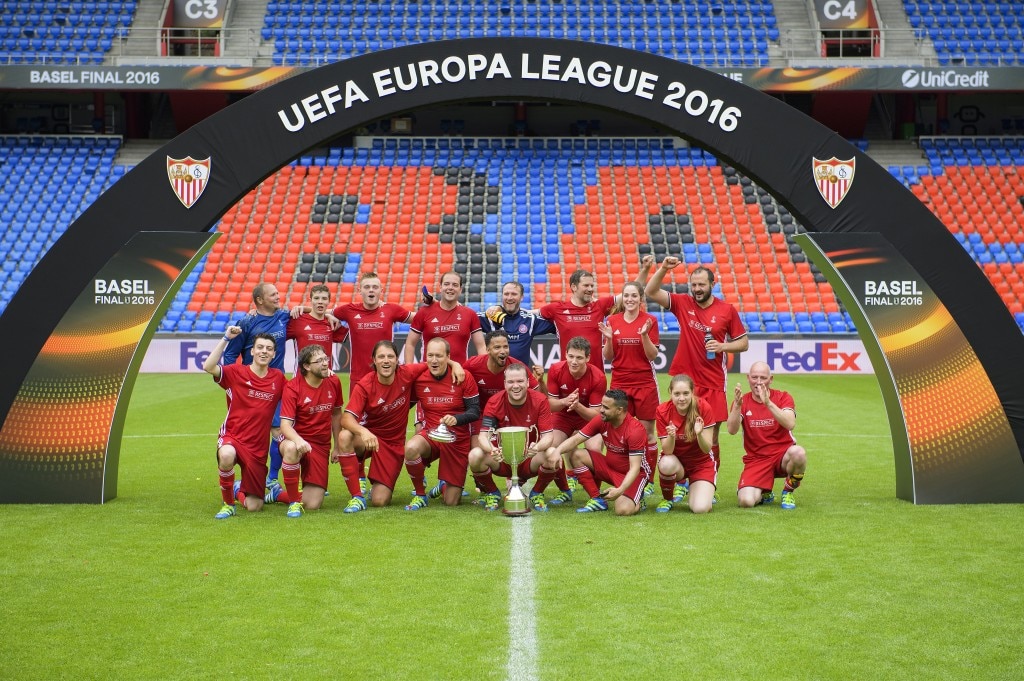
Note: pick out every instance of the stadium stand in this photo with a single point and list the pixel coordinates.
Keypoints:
(529, 209)
(47, 182)
(970, 33)
(48, 32)
(704, 33)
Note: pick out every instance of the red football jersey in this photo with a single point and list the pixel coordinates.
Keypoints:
(252, 402)
(691, 357)
(307, 330)
(385, 408)
(441, 396)
(591, 385)
(534, 412)
(366, 329)
(310, 409)
(456, 326)
(630, 366)
(572, 320)
(668, 414)
(762, 434)
(629, 439)
(490, 384)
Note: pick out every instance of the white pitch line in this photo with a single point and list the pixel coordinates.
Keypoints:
(522, 615)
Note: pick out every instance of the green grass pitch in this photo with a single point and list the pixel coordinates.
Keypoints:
(853, 584)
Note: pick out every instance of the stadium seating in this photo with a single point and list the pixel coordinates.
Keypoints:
(704, 33)
(970, 33)
(47, 182)
(529, 209)
(38, 31)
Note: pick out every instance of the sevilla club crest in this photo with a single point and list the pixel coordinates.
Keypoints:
(188, 178)
(834, 179)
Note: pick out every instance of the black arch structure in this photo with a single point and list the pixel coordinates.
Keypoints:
(759, 135)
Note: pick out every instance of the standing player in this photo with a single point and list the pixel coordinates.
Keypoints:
(708, 328)
(521, 325)
(516, 405)
(253, 394)
(369, 323)
(575, 389)
(684, 426)
(580, 315)
(447, 319)
(313, 327)
(310, 417)
(631, 344)
(268, 319)
(377, 415)
(768, 418)
(624, 465)
(441, 398)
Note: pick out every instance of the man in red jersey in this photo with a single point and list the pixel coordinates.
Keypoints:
(369, 323)
(581, 313)
(313, 327)
(310, 418)
(700, 357)
(377, 415)
(575, 389)
(625, 464)
(446, 402)
(447, 319)
(488, 370)
(516, 405)
(253, 393)
(768, 417)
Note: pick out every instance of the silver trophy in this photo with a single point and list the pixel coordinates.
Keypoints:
(513, 450)
(441, 434)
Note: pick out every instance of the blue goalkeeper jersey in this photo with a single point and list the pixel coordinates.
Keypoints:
(252, 324)
(521, 328)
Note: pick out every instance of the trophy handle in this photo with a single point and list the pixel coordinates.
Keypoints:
(532, 429)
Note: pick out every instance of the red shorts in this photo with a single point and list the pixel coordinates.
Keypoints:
(716, 400)
(522, 470)
(567, 423)
(605, 473)
(761, 471)
(253, 465)
(643, 400)
(453, 457)
(387, 462)
(699, 467)
(315, 465)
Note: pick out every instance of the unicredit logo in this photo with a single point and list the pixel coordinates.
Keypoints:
(944, 79)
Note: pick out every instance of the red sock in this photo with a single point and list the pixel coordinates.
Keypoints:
(416, 470)
(651, 454)
(227, 484)
(544, 476)
(562, 480)
(668, 485)
(350, 470)
(792, 482)
(291, 492)
(587, 481)
(485, 482)
(362, 468)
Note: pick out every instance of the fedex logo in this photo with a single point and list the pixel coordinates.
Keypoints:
(824, 356)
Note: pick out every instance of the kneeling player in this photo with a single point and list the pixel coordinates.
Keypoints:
(768, 418)
(253, 393)
(377, 415)
(685, 425)
(516, 405)
(310, 418)
(441, 398)
(625, 463)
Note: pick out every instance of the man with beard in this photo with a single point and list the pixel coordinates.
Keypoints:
(708, 328)
(520, 325)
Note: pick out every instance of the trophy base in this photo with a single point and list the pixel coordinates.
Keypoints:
(515, 503)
